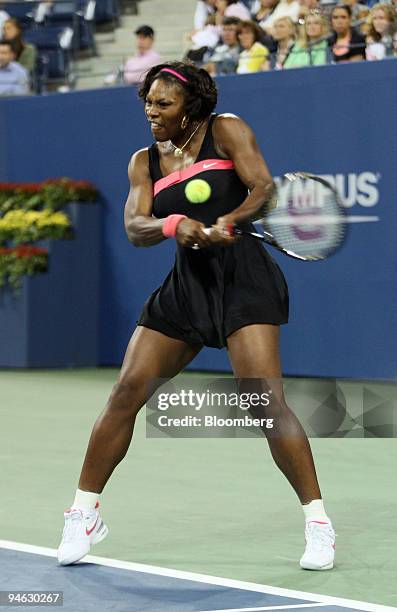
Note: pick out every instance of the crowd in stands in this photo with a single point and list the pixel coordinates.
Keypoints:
(229, 36)
(40, 38)
(245, 36)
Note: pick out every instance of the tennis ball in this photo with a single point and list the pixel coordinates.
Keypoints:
(197, 191)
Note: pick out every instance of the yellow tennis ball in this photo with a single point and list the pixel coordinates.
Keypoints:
(197, 191)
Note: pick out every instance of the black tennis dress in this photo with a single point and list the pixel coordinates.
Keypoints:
(211, 292)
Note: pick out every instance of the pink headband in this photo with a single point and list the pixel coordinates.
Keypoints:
(175, 74)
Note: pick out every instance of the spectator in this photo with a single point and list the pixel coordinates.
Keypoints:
(136, 67)
(262, 11)
(231, 8)
(346, 43)
(382, 29)
(224, 58)
(203, 41)
(255, 56)
(26, 54)
(204, 9)
(13, 77)
(284, 8)
(311, 49)
(284, 33)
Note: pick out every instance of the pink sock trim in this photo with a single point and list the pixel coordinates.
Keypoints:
(170, 224)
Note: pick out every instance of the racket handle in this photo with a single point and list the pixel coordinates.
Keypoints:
(206, 230)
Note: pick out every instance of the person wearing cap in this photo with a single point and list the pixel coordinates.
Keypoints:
(136, 67)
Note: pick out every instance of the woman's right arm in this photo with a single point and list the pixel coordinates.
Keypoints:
(142, 229)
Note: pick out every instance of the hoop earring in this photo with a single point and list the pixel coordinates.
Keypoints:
(184, 122)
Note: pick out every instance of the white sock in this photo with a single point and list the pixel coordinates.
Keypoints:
(314, 511)
(85, 500)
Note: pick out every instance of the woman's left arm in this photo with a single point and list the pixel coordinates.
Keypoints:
(235, 140)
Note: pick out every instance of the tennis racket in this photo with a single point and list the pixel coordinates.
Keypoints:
(303, 218)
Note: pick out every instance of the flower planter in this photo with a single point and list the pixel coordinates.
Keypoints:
(53, 320)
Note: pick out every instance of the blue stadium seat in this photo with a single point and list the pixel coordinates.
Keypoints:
(73, 14)
(107, 11)
(54, 49)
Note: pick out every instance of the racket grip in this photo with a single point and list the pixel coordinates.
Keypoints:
(206, 230)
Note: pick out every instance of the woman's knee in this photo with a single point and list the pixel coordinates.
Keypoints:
(128, 395)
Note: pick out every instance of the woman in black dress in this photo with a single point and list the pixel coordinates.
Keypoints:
(229, 292)
(347, 43)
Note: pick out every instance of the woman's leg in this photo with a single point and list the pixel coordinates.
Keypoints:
(254, 354)
(150, 355)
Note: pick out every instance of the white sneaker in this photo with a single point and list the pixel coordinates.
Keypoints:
(83, 528)
(320, 546)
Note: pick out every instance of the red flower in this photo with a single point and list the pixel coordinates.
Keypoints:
(29, 251)
(80, 190)
(23, 251)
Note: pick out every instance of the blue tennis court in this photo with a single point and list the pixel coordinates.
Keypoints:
(118, 586)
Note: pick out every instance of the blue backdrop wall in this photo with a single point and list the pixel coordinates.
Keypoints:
(333, 120)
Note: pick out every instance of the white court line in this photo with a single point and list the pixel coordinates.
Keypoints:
(311, 605)
(203, 578)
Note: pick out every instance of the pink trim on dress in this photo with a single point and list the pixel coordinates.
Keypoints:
(182, 175)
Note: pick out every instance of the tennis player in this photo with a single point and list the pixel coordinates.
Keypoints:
(228, 293)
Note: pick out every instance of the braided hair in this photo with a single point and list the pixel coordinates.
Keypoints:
(199, 88)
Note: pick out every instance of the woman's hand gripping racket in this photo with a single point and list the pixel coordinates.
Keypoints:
(303, 218)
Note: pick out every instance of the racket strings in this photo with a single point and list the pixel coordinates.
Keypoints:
(309, 219)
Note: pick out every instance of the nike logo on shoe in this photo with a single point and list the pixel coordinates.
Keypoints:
(89, 531)
(206, 166)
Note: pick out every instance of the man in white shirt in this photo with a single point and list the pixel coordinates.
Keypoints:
(14, 79)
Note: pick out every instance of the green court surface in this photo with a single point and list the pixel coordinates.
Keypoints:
(213, 506)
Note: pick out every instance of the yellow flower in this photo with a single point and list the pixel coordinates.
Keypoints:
(24, 220)
(32, 216)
